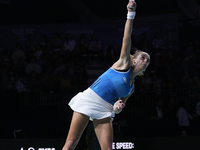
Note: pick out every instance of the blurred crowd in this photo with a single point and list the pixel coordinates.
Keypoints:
(59, 65)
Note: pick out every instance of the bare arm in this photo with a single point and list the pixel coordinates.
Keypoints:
(126, 44)
(124, 59)
(120, 104)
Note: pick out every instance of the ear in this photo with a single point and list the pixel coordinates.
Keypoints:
(133, 60)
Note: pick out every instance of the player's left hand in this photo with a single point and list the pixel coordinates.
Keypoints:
(118, 106)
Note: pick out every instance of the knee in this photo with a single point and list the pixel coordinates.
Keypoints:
(70, 145)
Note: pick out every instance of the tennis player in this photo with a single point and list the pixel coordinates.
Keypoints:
(108, 93)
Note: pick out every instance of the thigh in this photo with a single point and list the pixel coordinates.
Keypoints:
(78, 124)
(104, 132)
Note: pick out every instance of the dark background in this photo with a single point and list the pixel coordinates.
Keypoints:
(53, 11)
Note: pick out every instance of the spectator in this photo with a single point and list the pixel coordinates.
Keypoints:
(83, 44)
(183, 118)
(30, 43)
(18, 54)
(56, 42)
(157, 119)
(45, 60)
(157, 111)
(76, 55)
(49, 48)
(21, 84)
(158, 43)
(13, 76)
(69, 43)
(108, 54)
(84, 48)
(43, 41)
(33, 81)
(21, 66)
(81, 77)
(49, 80)
(38, 52)
(33, 66)
(59, 65)
(6, 64)
(65, 82)
(95, 47)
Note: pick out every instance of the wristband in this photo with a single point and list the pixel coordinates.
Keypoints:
(131, 15)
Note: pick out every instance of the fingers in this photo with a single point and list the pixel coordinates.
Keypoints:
(120, 105)
(131, 5)
(120, 101)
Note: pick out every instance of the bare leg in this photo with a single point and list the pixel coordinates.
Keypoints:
(104, 132)
(78, 124)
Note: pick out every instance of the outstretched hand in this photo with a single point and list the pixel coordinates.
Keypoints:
(131, 6)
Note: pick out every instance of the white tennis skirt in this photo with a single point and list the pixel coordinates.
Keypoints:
(92, 105)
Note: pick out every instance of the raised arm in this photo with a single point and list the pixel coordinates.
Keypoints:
(126, 44)
(124, 60)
